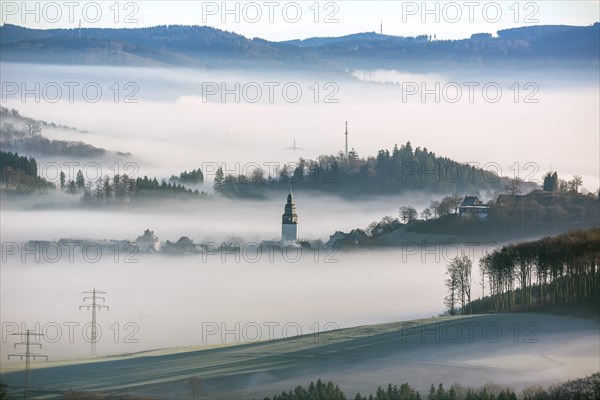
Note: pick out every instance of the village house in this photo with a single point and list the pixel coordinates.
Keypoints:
(148, 242)
(472, 207)
(184, 245)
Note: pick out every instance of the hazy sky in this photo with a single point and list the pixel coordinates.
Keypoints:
(282, 20)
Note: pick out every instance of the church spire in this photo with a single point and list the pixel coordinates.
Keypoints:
(290, 216)
(289, 220)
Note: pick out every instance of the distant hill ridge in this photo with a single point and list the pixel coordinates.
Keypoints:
(180, 45)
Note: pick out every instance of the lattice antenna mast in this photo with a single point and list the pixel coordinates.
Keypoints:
(346, 148)
(28, 356)
(94, 306)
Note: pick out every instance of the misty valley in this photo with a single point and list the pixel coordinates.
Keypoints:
(201, 211)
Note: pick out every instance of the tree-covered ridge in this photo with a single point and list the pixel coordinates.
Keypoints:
(201, 45)
(9, 113)
(587, 388)
(23, 134)
(390, 172)
(20, 174)
(509, 216)
(554, 270)
(536, 213)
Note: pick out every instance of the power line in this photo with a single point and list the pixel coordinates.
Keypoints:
(94, 306)
(28, 355)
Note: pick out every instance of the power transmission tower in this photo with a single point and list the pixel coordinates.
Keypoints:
(94, 306)
(28, 355)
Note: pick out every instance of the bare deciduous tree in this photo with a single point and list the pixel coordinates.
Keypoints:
(575, 183)
(513, 186)
(435, 208)
(258, 175)
(31, 127)
(459, 282)
(426, 214)
(408, 213)
(455, 201)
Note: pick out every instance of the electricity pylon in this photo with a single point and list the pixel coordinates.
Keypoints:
(28, 355)
(94, 306)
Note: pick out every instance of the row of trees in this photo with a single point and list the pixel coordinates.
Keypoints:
(586, 388)
(147, 186)
(20, 173)
(552, 183)
(121, 188)
(194, 176)
(552, 270)
(448, 205)
(330, 391)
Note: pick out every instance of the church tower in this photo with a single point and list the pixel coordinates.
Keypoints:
(289, 221)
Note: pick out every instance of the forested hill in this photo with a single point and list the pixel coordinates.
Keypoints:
(23, 134)
(177, 45)
(401, 170)
(202, 46)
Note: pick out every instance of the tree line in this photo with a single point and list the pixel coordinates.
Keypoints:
(587, 388)
(194, 176)
(19, 173)
(122, 188)
(553, 270)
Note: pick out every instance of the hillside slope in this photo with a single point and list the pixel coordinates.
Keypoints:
(513, 349)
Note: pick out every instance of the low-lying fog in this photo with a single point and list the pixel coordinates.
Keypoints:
(183, 118)
(177, 125)
(201, 220)
(166, 301)
(161, 294)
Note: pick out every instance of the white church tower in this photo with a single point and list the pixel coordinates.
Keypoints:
(289, 223)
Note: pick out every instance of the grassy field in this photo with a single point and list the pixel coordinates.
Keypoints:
(510, 349)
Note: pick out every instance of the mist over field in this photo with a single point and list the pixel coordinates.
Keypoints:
(252, 283)
(183, 295)
(171, 127)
